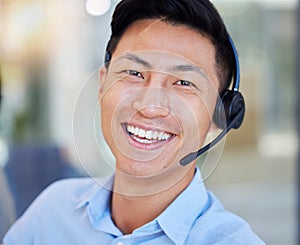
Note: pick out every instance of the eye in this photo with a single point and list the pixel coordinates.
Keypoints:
(185, 83)
(134, 73)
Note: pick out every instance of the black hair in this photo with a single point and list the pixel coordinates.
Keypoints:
(200, 15)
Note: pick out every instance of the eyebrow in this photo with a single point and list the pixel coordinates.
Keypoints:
(189, 68)
(178, 68)
(137, 60)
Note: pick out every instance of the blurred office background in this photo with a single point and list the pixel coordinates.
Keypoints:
(49, 55)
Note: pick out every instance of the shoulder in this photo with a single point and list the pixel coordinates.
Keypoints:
(47, 213)
(60, 196)
(71, 187)
(69, 192)
(219, 226)
(61, 190)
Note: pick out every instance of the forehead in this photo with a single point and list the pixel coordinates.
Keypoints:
(179, 40)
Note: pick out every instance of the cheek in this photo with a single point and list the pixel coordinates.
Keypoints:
(195, 120)
(199, 119)
(116, 108)
(109, 104)
(110, 101)
(197, 109)
(106, 118)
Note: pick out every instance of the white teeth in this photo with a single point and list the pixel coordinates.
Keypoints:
(147, 134)
(142, 133)
(143, 141)
(160, 136)
(166, 136)
(136, 131)
(132, 129)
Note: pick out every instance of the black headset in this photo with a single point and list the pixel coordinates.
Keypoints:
(229, 111)
(230, 106)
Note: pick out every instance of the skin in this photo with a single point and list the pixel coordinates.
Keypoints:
(165, 83)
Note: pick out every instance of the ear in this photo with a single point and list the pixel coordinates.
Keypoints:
(102, 79)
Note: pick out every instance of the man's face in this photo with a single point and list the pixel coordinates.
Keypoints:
(157, 96)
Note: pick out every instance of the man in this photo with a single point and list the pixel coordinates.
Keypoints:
(166, 63)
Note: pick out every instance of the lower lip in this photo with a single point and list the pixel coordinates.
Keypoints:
(152, 146)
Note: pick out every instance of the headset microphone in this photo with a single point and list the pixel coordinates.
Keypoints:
(229, 111)
(192, 156)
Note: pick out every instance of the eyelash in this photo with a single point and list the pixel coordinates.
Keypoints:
(185, 83)
(134, 73)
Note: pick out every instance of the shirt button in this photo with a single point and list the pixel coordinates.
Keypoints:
(120, 243)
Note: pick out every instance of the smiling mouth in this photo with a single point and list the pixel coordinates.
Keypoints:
(147, 137)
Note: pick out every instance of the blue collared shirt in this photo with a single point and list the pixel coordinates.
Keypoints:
(77, 211)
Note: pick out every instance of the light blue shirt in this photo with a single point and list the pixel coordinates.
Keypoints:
(77, 211)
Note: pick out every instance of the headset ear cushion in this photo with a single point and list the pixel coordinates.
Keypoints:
(230, 104)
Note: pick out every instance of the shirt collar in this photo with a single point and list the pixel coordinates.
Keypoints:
(97, 203)
(101, 189)
(178, 219)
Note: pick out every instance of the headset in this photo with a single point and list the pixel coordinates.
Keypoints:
(229, 110)
(230, 102)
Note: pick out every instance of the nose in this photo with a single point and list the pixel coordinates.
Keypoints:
(152, 102)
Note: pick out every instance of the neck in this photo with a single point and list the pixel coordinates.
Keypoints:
(130, 211)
